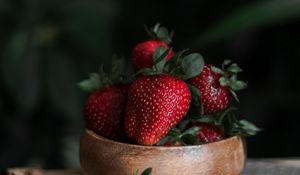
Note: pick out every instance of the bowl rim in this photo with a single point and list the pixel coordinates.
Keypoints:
(103, 139)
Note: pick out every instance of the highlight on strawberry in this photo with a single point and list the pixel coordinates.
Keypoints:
(174, 99)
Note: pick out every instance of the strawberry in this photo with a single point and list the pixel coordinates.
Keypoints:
(143, 52)
(217, 86)
(214, 97)
(105, 109)
(142, 55)
(209, 133)
(156, 103)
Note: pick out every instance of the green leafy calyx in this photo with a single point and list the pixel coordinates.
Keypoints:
(185, 66)
(228, 121)
(160, 33)
(229, 79)
(185, 136)
(159, 59)
(102, 79)
(182, 65)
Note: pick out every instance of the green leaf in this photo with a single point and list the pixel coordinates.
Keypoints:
(234, 68)
(233, 78)
(248, 126)
(159, 58)
(159, 33)
(90, 84)
(104, 79)
(192, 131)
(173, 66)
(118, 66)
(229, 123)
(196, 93)
(159, 54)
(238, 85)
(224, 113)
(225, 63)
(156, 27)
(205, 119)
(149, 31)
(136, 172)
(192, 65)
(244, 128)
(164, 35)
(223, 81)
(196, 98)
(232, 126)
(217, 70)
(234, 95)
(174, 132)
(179, 54)
(148, 71)
(148, 171)
(164, 140)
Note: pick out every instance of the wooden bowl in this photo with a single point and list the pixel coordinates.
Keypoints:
(99, 155)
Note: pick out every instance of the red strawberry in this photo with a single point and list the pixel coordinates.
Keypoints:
(210, 133)
(156, 103)
(142, 55)
(214, 96)
(105, 109)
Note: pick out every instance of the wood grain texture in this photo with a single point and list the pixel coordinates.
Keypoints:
(102, 156)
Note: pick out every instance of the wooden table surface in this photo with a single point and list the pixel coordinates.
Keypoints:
(272, 167)
(253, 167)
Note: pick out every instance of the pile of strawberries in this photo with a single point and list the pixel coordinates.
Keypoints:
(173, 98)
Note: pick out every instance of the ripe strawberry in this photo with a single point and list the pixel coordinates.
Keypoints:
(142, 55)
(218, 86)
(210, 133)
(214, 97)
(143, 52)
(156, 103)
(105, 109)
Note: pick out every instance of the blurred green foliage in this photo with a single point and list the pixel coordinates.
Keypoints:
(254, 15)
(48, 46)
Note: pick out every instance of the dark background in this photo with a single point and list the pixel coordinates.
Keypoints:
(46, 46)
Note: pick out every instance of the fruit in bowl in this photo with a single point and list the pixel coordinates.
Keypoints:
(176, 117)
